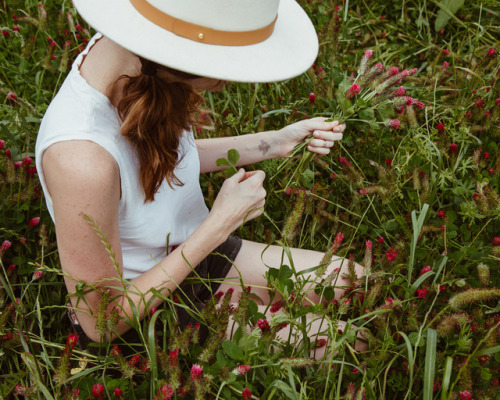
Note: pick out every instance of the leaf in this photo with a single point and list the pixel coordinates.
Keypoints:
(222, 162)
(385, 110)
(233, 156)
(430, 363)
(367, 114)
(232, 350)
(307, 178)
(344, 87)
(448, 8)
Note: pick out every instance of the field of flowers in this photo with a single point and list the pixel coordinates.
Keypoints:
(411, 193)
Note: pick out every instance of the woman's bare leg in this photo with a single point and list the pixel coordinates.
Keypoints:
(255, 259)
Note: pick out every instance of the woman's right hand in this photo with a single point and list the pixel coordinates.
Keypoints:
(241, 198)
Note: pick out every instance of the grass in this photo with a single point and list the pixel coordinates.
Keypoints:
(430, 200)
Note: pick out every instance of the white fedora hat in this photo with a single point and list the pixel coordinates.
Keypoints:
(233, 40)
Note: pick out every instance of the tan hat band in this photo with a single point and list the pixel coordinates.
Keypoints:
(200, 33)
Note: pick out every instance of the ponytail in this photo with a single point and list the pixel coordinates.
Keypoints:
(155, 113)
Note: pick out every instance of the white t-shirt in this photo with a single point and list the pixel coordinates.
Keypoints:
(81, 112)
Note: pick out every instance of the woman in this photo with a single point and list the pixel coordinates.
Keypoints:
(115, 148)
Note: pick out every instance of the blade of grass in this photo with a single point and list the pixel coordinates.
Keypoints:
(430, 363)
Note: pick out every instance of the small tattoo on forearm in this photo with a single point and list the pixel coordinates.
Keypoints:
(264, 147)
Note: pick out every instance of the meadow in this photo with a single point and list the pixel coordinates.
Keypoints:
(411, 193)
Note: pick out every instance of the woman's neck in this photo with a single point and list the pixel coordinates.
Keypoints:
(104, 64)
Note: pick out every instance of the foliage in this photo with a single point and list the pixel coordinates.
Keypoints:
(418, 205)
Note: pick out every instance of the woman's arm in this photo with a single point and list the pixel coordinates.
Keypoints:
(91, 186)
(273, 144)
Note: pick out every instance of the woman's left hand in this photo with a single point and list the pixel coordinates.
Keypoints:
(325, 134)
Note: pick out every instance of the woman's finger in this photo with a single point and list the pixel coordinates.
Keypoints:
(319, 150)
(321, 143)
(328, 135)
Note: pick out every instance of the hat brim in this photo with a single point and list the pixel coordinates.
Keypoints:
(288, 52)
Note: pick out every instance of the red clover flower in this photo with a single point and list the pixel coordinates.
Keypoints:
(246, 394)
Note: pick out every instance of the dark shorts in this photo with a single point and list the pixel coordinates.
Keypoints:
(192, 292)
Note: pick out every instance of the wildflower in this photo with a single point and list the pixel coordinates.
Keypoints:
(276, 306)
(422, 293)
(391, 255)
(118, 392)
(446, 52)
(442, 288)
(97, 391)
(246, 394)
(18, 164)
(325, 261)
(486, 155)
(462, 300)
(196, 371)
(440, 127)
(37, 275)
(72, 340)
(288, 191)
(364, 61)
(312, 98)
(441, 214)
(436, 386)
(5, 33)
(420, 105)
(452, 148)
(425, 269)
(241, 369)
(491, 52)
(353, 90)
(389, 301)
(319, 343)
(27, 161)
(380, 241)
(2, 144)
(165, 393)
(388, 162)
(34, 221)
(5, 246)
(134, 360)
(11, 97)
(496, 241)
(465, 395)
(262, 324)
(392, 123)
(355, 371)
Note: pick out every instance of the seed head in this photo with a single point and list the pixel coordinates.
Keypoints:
(241, 369)
(392, 123)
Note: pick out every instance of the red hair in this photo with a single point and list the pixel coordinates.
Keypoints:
(155, 112)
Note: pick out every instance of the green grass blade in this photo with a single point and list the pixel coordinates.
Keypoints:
(430, 363)
(445, 384)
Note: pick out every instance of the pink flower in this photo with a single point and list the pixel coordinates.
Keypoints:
(18, 164)
(276, 306)
(319, 343)
(37, 275)
(312, 98)
(392, 123)
(262, 324)
(486, 155)
(496, 241)
(2, 144)
(446, 52)
(196, 371)
(5, 246)
(389, 301)
(465, 395)
(355, 371)
(343, 161)
(362, 192)
(453, 148)
(440, 127)
(27, 161)
(425, 269)
(388, 162)
(15, 28)
(420, 105)
(391, 254)
(174, 357)
(34, 221)
(491, 52)
(134, 360)
(491, 171)
(97, 391)
(380, 241)
(241, 369)
(11, 97)
(72, 340)
(441, 214)
(118, 392)
(246, 394)
(422, 293)
(368, 54)
(353, 90)
(5, 34)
